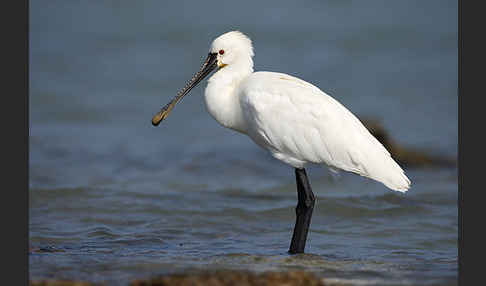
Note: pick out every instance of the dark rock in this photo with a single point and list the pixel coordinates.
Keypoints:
(409, 157)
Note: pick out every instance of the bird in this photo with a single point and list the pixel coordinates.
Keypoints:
(295, 121)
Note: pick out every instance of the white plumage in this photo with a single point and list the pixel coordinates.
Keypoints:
(293, 119)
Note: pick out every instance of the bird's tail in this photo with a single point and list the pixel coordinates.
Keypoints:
(388, 172)
(395, 177)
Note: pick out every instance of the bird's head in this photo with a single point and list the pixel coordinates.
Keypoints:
(232, 49)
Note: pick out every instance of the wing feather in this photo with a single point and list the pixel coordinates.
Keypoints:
(299, 123)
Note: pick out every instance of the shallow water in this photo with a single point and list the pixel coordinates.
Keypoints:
(113, 198)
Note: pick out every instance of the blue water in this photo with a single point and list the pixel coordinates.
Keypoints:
(113, 198)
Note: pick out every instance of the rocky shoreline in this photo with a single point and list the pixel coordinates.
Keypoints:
(210, 278)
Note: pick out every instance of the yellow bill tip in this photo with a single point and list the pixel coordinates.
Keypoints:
(158, 118)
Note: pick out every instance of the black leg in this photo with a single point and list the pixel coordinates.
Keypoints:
(304, 209)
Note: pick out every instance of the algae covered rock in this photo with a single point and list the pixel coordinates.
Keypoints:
(231, 277)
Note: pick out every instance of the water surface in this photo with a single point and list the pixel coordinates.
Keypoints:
(113, 198)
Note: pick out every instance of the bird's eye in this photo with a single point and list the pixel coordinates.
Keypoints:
(221, 52)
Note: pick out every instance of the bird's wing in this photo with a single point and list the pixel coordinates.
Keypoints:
(298, 123)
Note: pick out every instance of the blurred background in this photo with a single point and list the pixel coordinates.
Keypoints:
(113, 198)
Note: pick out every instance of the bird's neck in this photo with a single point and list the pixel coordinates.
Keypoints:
(221, 96)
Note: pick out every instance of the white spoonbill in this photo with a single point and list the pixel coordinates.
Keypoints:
(294, 120)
